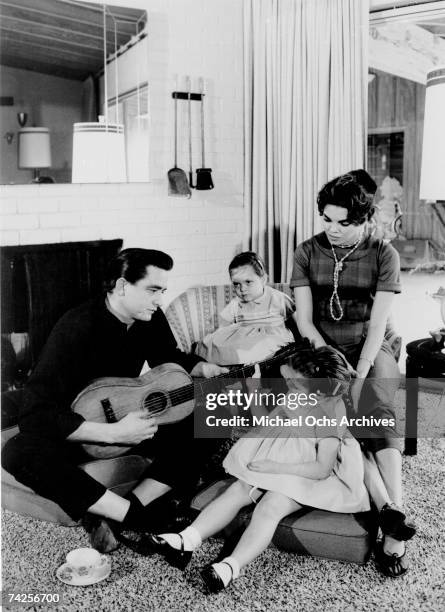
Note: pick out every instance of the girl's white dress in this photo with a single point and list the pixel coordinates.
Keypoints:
(343, 491)
(249, 332)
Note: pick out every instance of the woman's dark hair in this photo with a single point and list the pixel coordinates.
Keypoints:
(354, 191)
(131, 264)
(325, 363)
(248, 258)
(365, 180)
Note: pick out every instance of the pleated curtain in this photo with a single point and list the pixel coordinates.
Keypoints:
(305, 93)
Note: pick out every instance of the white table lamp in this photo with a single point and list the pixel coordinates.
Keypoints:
(34, 149)
(432, 177)
(99, 153)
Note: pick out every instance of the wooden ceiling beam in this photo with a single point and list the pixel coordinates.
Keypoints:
(28, 30)
(59, 29)
(44, 11)
(406, 50)
(65, 31)
(48, 46)
(13, 50)
(43, 67)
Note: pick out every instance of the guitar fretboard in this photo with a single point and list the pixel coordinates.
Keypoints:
(188, 392)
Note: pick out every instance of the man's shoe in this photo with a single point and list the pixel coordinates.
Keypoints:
(100, 531)
(163, 515)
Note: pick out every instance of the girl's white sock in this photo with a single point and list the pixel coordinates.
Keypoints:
(190, 535)
(228, 569)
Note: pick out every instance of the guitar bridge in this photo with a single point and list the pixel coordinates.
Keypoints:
(108, 410)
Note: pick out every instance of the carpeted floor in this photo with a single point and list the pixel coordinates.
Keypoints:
(277, 581)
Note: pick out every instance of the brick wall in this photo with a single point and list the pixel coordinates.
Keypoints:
(193, 37)
(201, 235)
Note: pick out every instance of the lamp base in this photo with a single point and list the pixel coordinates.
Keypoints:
(39, 180)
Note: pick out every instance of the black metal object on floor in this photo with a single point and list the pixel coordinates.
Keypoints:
(425, 359)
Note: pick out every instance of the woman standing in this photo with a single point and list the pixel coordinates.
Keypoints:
(344, 282)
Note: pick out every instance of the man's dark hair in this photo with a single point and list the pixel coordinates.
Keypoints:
(353, 191)
(248, 258)
(131, 264)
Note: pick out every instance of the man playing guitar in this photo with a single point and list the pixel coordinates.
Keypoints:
(111, 336)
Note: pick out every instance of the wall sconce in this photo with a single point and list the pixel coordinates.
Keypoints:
(22, 118)
(9, 137)
(34, 150)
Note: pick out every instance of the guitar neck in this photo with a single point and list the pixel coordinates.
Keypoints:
(246, 371)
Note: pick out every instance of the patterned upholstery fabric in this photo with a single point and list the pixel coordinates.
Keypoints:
(194, 313)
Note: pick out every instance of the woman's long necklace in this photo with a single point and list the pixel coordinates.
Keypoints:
(334, 302)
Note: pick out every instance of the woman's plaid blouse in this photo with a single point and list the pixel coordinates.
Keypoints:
(374, 266)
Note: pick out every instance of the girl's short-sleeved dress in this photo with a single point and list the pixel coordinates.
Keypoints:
(251, 331)
(343, 491)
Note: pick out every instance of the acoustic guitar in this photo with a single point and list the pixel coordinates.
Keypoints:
(167, 393)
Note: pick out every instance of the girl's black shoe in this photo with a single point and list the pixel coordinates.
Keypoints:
(392, 523)
(179, 558)
(390, 565)
(213, 580)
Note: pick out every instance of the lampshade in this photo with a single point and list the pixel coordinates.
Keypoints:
(99, 153)
(432, 177)
(34, 148)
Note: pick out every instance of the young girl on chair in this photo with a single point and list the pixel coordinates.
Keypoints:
(252, 326)
(317, 466)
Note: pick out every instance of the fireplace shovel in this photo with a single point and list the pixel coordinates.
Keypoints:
(203, 175)
(177, 179)
(189, 113)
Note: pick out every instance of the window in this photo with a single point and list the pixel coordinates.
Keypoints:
(131, 109)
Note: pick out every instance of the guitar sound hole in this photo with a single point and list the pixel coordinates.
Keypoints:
(155, 402)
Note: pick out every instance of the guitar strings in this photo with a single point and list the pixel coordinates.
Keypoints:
(187, 392)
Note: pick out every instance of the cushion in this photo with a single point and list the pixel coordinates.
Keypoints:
(120, 474)
(329, 535)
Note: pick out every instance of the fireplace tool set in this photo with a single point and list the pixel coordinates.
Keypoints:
(178, 183)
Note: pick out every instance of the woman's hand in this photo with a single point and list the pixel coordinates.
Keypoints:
(356, 390)
(265, 465)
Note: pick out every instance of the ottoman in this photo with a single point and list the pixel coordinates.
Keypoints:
(329, 535)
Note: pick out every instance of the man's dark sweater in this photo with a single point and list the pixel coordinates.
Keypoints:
(89, 342)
